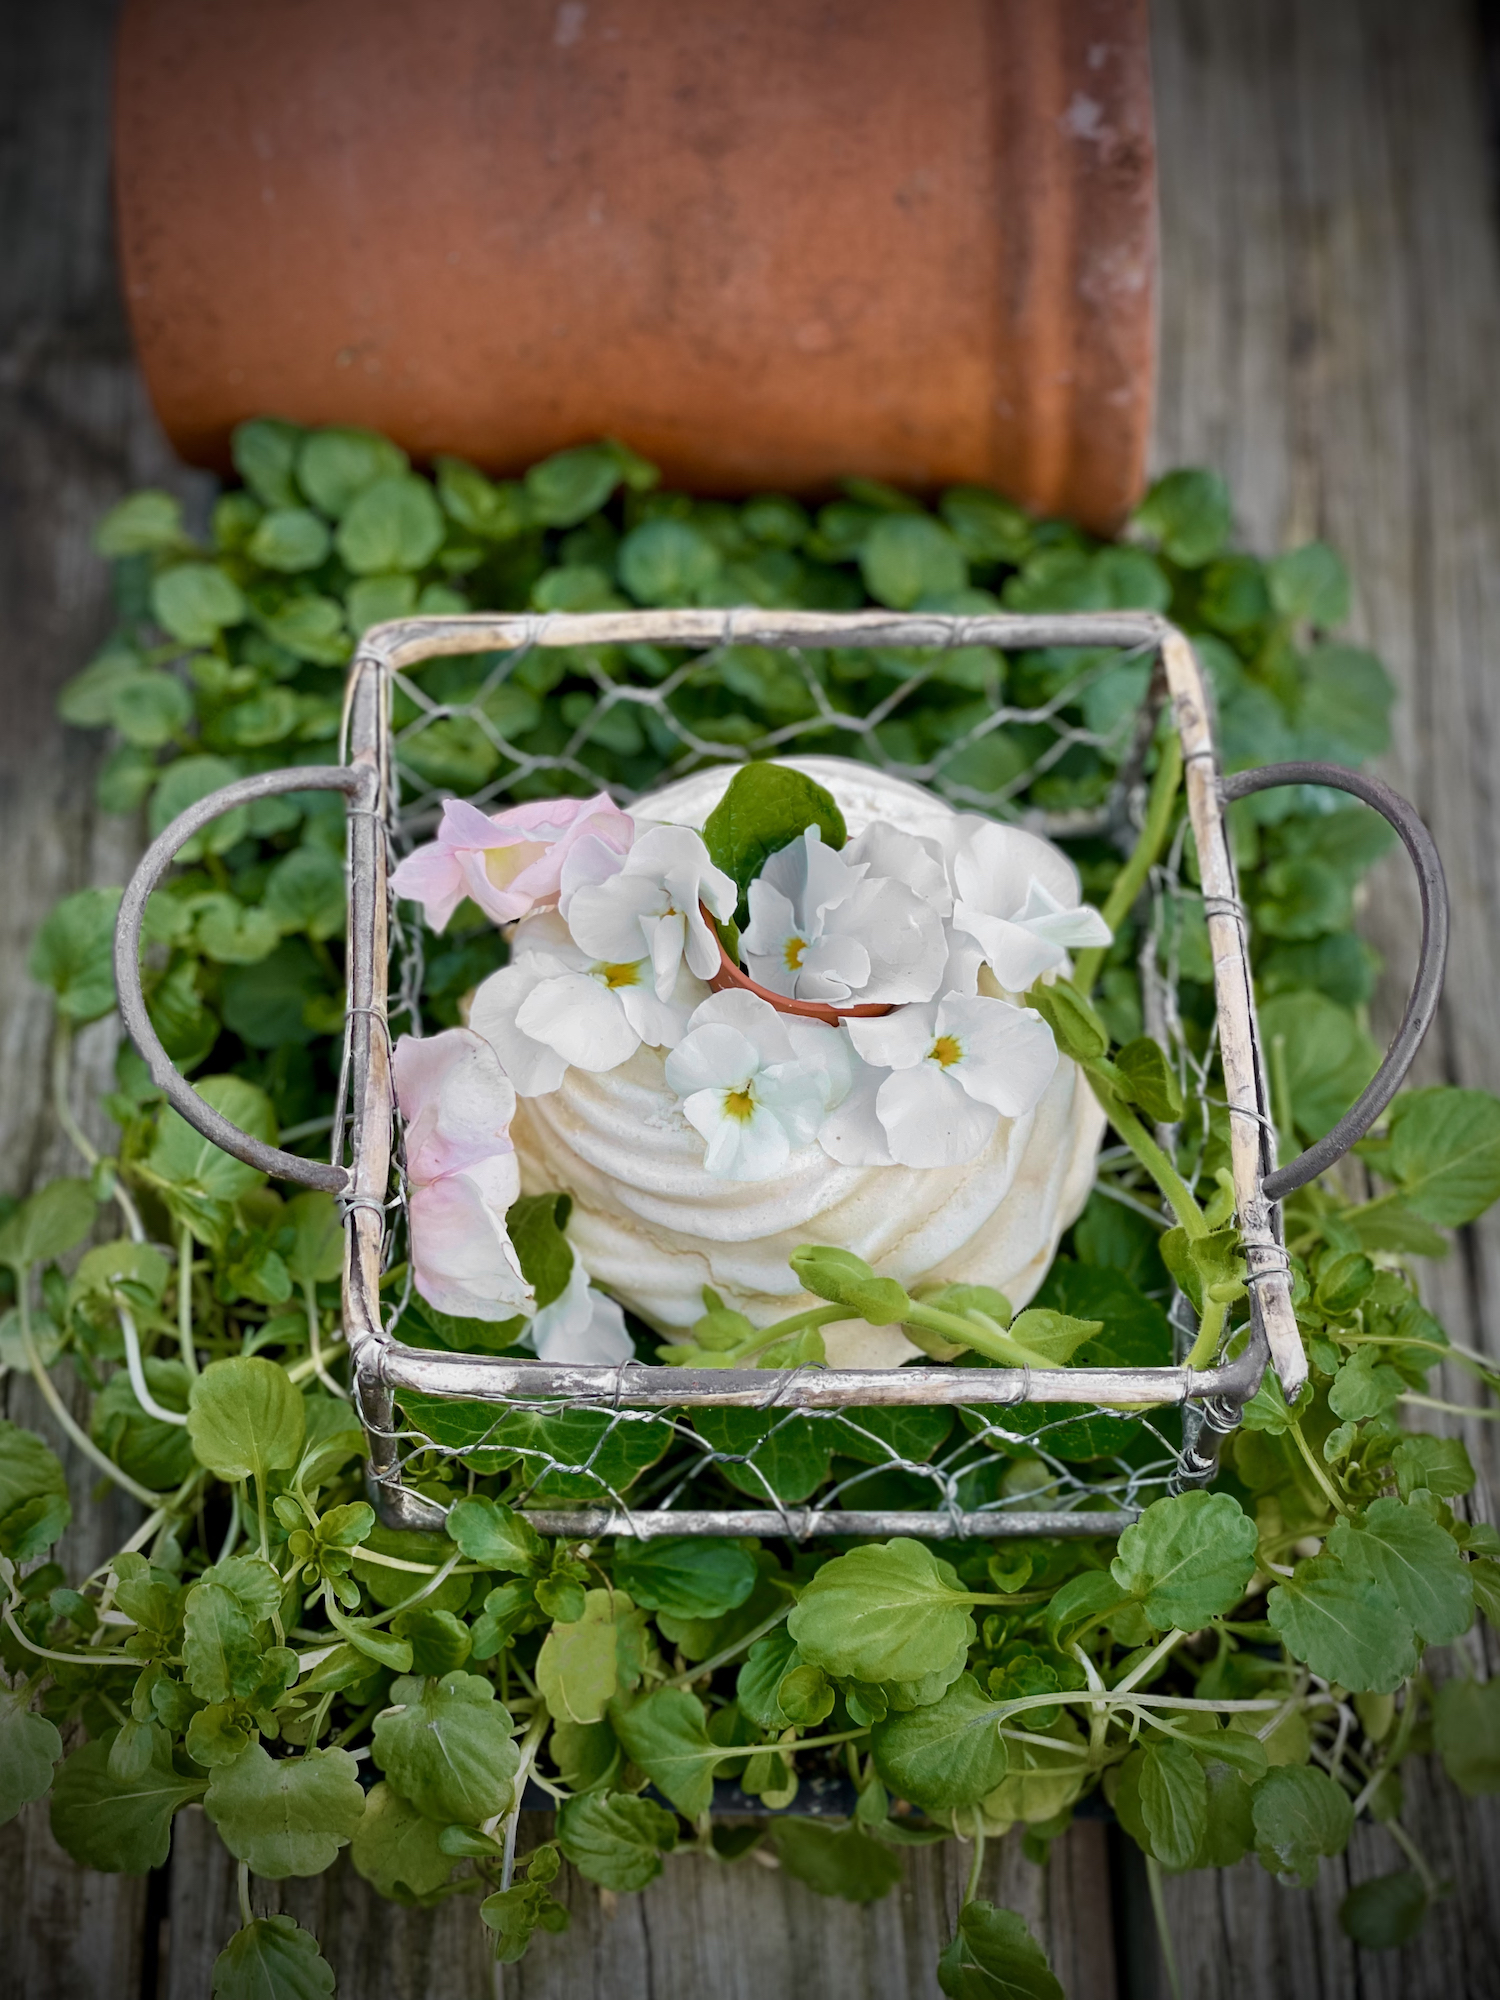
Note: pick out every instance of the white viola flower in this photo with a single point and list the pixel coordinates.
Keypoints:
(554, 1009)
(824, 927)
(581, 1326)
(755, 1084)
(462, 1175)
(1019, 899)
(645, 904)
(956, 1068)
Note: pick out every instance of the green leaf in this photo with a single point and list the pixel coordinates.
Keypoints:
(1345, 707)
(765, 808)
(1187, 1559)
(1187, 514)
(195, 601)
(1405, 1552)
(689, 1578)
(805, 1696)
(667, 562)
(1299, 1814)
(245, 1418)
(143, 524)
(836, 1860)
(883, 1613)
(305, 892)
(566, 488)
(847, 1280)
(447, 1747)
(29, 1747)
(395, 1847)
(74, 954)
(1384, 1912)
(988, 528)
(607, 1454)
(1328, 1057)
(439, 1641)
(1230, 1832)
(288, 1815)
(1083, 1600)
(316, 1255)
(905, 557)
(183, 784)
(1442, 1465)
(1346, 1628)
(53, 1221)
(1311, 583)
(158, 1455)
(123, 1827)
(1054, 1335)
(1174, 1803)
(220, 1655)
(497, 1536)
(760, 1678)
(272, 1958)
(1466, 1730)
(265, 456)
(496, 513)
(667, 1736)
(785, 1457)
(616, 1840)
(1445, 1153)
(994, 1957)
(1150, 1080)
(335, 466)
(948, 1754)
(394, 525)
(577, 1668)
(310, 627)
(535, 1226)
(289, 539)
(513, 1914)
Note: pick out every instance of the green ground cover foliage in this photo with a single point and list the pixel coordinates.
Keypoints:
(1241, 1674)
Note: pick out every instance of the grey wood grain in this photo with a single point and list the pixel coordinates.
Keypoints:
(1330, 313)
(737, 1931)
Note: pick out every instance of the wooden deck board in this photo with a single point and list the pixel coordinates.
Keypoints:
(1330, 318)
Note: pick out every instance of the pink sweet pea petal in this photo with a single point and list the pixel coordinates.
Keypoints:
(457, 1102)
(511, 862)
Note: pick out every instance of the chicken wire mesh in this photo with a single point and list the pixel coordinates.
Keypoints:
(1044, 720)
(1056, 739)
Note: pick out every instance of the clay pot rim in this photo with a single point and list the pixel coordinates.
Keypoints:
(729, 978)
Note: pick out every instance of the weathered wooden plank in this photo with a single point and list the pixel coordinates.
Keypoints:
(737, 1931)
(1331, 302)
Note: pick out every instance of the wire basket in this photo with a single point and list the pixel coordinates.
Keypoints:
(614, 1450)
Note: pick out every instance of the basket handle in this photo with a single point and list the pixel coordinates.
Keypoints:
(1426, 990)
(360, 784)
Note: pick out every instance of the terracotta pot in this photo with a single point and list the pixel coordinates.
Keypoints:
(766, 242)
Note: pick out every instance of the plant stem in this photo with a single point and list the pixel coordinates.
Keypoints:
(314, 1341)
(981, 1333)
(75, 1432)
(797, 1323)
(242, 1882)
(62, 1101)
(1163, 1929)
(976, 1866)
(742, 1645)
(1210, 1331)
(1317, 1471)
(260, 1515)
(185, 1299)
(530, 1744)
(1178, 1194)
(1149, 844)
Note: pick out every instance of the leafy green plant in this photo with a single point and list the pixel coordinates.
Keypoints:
(1244, 1673)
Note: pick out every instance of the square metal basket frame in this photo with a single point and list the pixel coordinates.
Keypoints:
(1211, 1399)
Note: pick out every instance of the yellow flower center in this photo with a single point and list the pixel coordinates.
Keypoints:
(794, 949)
(503, 864)
(945, 1051)
(620, 975)
(739, 1104)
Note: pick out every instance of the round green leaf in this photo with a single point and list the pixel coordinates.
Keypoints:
(29, 1747)
(286, 1815)
(335, 466)
(948, 1754)
(447, 1747)
(905, 557)
(291, 539)
(667, 562)
(182, 785)
(1187, 1559)
(245, 1418)
(121, 1826)
(616, 1840)
(883, 1613)
(395, 1847)
(396, 524)
(144, 524)
(195, 601)
(265, 456)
